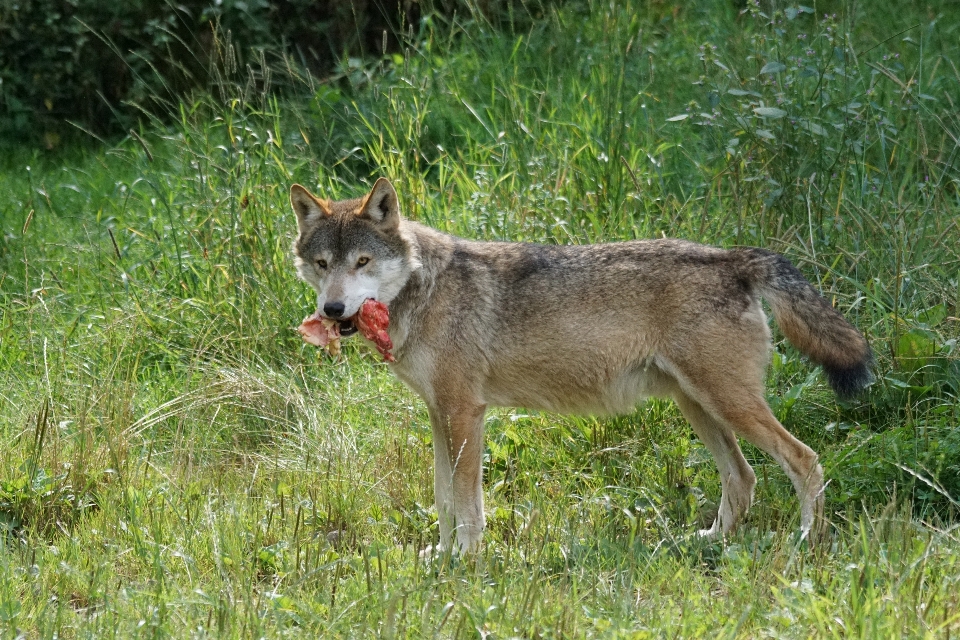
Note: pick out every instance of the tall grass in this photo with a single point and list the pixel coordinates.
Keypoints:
(174, 461)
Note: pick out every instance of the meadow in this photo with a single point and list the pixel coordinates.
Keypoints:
(175, 462)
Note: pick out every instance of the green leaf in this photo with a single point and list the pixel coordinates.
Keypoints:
(813, 127)
(915, 349)
(896, 382)
(773, 67)
(933, 316)
(763, 133)
(769, 112)
(682, 116)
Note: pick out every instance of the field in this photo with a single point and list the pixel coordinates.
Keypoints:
(175, 462)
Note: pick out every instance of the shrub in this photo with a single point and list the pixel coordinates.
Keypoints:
(98, 63)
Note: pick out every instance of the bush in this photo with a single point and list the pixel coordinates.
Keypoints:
(98, 63)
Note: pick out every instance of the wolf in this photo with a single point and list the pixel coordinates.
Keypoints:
(589, 329)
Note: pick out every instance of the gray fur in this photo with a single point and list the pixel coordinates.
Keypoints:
(586, 329)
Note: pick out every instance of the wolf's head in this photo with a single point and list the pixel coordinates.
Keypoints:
(351, 250)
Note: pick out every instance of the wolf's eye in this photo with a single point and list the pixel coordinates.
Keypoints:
(362, 261)
(322, 264)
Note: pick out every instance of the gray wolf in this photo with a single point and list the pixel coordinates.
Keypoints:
(584, 329)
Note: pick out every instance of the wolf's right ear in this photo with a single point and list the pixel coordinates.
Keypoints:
(308, 208)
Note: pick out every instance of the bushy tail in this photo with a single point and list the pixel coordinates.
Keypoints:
(810, 322)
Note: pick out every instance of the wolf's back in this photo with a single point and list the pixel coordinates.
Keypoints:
(810, 322)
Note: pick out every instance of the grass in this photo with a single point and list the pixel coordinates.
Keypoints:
(175, 462)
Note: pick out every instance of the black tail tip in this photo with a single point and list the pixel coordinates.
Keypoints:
(849, 382)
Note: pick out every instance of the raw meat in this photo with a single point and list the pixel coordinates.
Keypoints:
(321, 332)
(372, 320)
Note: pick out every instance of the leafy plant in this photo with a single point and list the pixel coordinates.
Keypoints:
(34, 502)
(247, 487)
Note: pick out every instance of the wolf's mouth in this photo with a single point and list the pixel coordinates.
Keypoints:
(347, 328)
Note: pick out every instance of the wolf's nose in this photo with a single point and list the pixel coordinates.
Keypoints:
(333, 309)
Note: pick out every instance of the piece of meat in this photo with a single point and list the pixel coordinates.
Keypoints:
(321, 332)
(372, 321)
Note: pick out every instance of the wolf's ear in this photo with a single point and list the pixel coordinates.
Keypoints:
(308, 208)
(382, 206)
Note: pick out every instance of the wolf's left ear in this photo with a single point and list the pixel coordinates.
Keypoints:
(308, 208)
(381, 206)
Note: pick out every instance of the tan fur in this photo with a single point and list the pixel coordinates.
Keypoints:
(588, 329)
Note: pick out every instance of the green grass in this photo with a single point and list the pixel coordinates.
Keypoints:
(175, 462)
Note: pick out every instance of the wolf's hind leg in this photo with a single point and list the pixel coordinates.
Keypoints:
(748, 414)
(730, 389)
(755, 422)
(737, 478)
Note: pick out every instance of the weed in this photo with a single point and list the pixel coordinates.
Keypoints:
(174, 461)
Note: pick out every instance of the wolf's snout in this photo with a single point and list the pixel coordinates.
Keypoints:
(333, 309)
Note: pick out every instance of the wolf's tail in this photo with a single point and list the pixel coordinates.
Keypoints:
(810, 322)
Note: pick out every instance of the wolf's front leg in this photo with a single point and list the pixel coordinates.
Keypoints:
(458, 476)
(442, 483)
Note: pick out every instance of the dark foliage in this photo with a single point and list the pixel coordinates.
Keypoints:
(99, 62)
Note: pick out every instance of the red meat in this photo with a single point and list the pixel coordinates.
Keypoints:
(372, 321)
(321, 332)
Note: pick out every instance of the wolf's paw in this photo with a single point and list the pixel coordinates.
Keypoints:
(712, 532)
(431, 551)
(435, 552)
(817, 533)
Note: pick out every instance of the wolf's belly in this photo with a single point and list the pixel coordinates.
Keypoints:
(572, 392)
